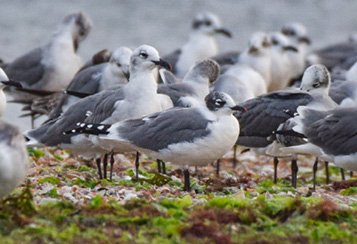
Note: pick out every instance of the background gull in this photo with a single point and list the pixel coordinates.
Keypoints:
(195, 85)
(202, 43)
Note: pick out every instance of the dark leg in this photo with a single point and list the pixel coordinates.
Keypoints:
(163, 166)
(196, 173)
(351, 174)
(294, 170)
(186, 175)
(32, 121)
(276, 162)
(159, 165)
(111, 166)
(327, 173)
(99, 168)
(218, 167)
(314, 169)
(137, 166)
(234, 156)
(342, 174)
(105, 164)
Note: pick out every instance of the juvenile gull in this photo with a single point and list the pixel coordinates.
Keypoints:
(202, 43)
(132, 100)
(52, 67)
(184, 136)
(195, 85)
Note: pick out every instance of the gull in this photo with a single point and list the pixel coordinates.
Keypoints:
(184, 136)
(195, 85)
(258, 55)
(241, 82)
(267, 112)
(281, 68)
(297, 33)
(13, 158)
(51, 67)
(132, 100)
(202, 43)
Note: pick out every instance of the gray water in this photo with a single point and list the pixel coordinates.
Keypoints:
(164, 24)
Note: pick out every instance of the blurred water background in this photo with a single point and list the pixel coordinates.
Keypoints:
(164, 24)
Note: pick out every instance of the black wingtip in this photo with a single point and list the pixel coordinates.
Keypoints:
(89, 128)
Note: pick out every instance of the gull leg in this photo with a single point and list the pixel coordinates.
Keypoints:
(111, 166)
(218, 167)
(234, 156)
(294, 170)
(163, 166)
(186, 175)
(137, 166)
(276, 162)
(351, 173)
(327, 173)
(99, 168)
(314, 169)
(159, 165)
(342, 174)
(105, 163)
(32, 121)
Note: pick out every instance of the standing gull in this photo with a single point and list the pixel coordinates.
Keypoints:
(267, 112)
(202, 43)
(184, 136)
(132, 100)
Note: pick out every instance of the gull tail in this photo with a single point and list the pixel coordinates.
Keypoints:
(89, 128)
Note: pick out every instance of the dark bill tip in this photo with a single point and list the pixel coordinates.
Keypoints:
(239, 108)
(163, 64)
(290, 48)
(127, 75)
(12, 83)
(305, 39)
(224, 31)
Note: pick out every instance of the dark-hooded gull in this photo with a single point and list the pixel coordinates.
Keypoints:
(132, 100)
(184, 136)
(267, 112)
(202, 43)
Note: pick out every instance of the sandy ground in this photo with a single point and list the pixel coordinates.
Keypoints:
(164, 24)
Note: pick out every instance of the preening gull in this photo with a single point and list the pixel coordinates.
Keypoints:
(202, 43)
(195, 85)
(52, 67)
(184, 136)
(132, 100)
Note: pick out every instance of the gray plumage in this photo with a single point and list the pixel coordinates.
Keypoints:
(265, 114)
(228, 58)
(28, 68)
(340, 90)
(158, 131)
(334, 131)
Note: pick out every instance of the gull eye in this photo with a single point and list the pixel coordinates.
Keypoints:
(82, 32)
(143, 55)
(208, 22)
(275, 42)
(219, 103)
(316, 85)
(118, 64)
